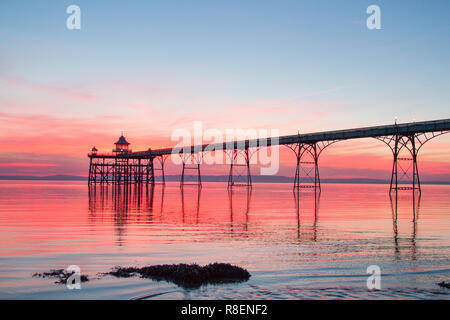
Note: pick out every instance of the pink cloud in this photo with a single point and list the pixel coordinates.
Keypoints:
(46, 88)
(25, 164)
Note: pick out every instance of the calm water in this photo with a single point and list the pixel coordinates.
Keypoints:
(294, 247)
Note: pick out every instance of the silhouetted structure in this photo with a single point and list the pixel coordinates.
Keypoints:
(125, 166)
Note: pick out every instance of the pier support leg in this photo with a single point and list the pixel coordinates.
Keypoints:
(162, 161)
(90, 171)
(121, 170)
(191, 162)
(93, 171)
(102, 172)
(307, 169)
(239, 168)
(139, 172)
(404, 168)
(150, 172)
(405, 149)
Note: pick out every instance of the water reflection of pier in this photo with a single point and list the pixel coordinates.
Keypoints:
(123, 204)
(141, 204)
(145, 204)
(194, 193)
(410, 203)
(239, 202)
(307, 198)
(123, 199)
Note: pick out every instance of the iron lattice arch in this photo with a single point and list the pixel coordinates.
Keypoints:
(307, 171)
(190, 174)
(239, 159)
(404, 168)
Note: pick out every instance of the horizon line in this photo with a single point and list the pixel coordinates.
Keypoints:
(221, 178)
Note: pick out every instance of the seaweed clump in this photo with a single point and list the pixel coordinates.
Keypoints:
(444, 284)
(186, 275)
(60, 274)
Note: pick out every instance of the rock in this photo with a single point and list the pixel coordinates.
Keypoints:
(61, 274)
(186, 275)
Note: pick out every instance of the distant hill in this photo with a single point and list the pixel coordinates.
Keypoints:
(256, 179)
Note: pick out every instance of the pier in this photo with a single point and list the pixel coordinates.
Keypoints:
(125, 166)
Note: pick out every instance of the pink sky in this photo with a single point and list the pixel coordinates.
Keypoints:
(48, 129)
